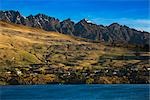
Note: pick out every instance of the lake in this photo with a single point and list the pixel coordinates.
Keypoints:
(75, 92)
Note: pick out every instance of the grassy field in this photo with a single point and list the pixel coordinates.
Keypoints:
(31, 55)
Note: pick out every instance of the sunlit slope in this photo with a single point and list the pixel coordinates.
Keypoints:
(21, 46)
(33, 56)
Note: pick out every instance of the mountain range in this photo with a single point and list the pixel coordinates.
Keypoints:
(114, 33)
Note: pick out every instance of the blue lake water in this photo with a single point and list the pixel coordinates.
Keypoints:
(75, 92)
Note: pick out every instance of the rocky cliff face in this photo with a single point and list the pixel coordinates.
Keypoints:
(113, 33)
(12, 16)
(67, 27)
(44, 22)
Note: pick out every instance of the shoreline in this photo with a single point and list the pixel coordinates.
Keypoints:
(73, 84)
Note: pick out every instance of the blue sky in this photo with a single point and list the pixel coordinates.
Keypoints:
(133, 13)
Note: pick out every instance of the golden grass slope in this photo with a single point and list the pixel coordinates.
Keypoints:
(21, 46)
(62, 57)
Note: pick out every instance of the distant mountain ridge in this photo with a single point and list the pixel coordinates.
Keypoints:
(113, 33)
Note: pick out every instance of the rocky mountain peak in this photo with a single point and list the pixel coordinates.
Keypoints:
(30, 16)
(68, 19)
(42, 16)
(67, 26)
(12, 16)
(83, 21)
(114, 25)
